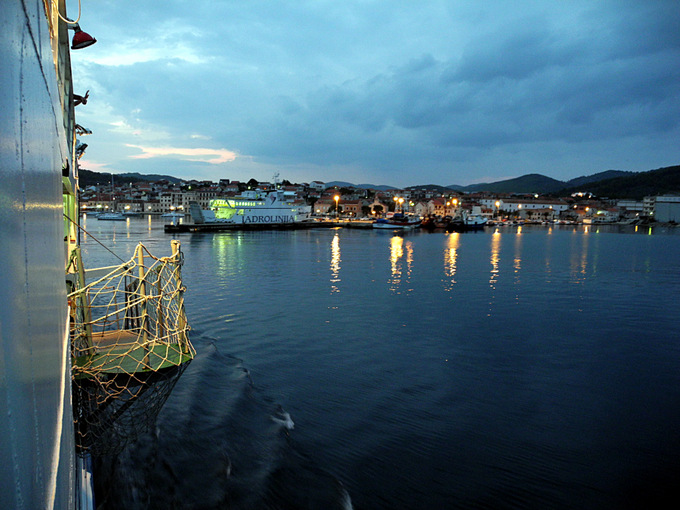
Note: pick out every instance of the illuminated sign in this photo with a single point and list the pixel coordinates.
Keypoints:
(279, 218)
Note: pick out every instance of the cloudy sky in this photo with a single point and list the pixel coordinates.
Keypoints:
(398, 92)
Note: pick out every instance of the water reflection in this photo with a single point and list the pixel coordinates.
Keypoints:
(579, 257)
(517, 261)
(335, 263)
(397, 248)
(495, 258)
(451, 260)
(225, 247)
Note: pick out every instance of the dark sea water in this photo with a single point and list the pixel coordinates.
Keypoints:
(523, 367)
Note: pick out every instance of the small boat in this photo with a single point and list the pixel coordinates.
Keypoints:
(466, 222)
(112, 216)
(427, 223)
(398, 221)
(433, 223)
(172, 215)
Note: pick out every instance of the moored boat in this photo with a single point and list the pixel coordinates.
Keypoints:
(398, 221)
(271, 209)
(112, 216)
(466, 222)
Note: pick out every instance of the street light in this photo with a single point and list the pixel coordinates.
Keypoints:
(337, 199)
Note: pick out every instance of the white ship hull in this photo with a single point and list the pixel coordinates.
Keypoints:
(272, 210)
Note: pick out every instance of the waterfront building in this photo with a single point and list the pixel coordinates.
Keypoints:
(443, 206)
(202, 196)
(667, 208)
(648, 206)
(421, 208)
(171, 200)
(515, 205)
(630, 206)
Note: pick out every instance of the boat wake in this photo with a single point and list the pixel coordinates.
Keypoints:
(214, 446)
(283, 419)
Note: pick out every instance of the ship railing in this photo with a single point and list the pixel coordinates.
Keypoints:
(129, 342)
(129, 318)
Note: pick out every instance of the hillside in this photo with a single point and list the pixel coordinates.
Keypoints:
(442, 189)
(636, 185)
(530, 183)
(90, 178)
(601, 176)
(344, 184)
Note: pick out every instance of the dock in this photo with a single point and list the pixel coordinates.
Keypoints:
(222, 227)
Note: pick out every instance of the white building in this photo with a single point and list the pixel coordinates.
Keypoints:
(514, 205)
(667, 208)
(630, 205)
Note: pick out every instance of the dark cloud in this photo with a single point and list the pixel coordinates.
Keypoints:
(420, 88)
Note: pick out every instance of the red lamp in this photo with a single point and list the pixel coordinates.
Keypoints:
(81, 39)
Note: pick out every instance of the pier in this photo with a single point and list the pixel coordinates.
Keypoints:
(302, 225)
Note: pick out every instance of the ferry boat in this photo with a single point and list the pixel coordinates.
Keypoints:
(252, 209)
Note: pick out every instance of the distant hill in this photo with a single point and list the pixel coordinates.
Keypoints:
(635, 185)
(343, 184)
(91, 178)
(610, 183)
(437, 187)
(530, 183)
(601, 176)
(149, 177)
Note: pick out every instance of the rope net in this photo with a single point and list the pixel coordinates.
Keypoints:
(130, 344)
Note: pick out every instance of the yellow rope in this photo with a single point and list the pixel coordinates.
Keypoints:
(125, 330)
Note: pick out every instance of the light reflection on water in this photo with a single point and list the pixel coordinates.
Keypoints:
(450, 260)
(401, 262)
(396, 253)
(335, 263)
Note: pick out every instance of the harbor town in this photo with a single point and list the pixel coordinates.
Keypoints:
(348, 203)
